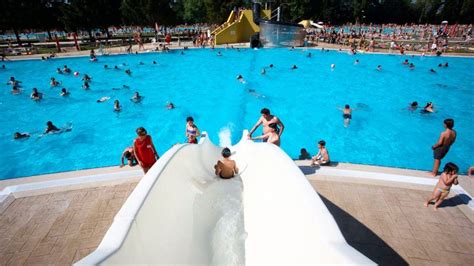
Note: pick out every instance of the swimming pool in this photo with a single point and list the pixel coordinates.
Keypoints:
(382, 132)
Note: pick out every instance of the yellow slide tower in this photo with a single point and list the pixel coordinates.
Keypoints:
(238, 29)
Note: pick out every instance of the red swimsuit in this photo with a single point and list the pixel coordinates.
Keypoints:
(145, 152)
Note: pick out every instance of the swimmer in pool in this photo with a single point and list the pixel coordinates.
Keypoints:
(15, 90)
(405, 62)
(262, 71)
(346, 114)
(413, 106)
(219, 53)
(64, 92)
(170, 106)
(136, 98)
(309, 55)
(128, 72)
(432, 71)
(106, 66)
(429, 108)
(116, 67)
(103, 99)
(117, 107)
(66, 69)
(59, 71)
(19, 135)
(356, 62)
(154, 62)
(54, 82)
(50, 128)
(226, 168)
(270, 66)
(379, 68)
(304, 155)
(294, 67)
(240, 78)
(35, 95)
(13, 81)
(272, 136)
(412, 66)
(129, 154)
(86, 78)
(85, 86)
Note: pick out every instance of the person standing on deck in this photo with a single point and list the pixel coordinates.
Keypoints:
(441, 148)
(144, 150)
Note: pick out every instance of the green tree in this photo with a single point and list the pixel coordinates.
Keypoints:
(147, 12)
(89, 15)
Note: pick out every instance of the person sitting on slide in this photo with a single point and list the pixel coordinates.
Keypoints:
(226, 168)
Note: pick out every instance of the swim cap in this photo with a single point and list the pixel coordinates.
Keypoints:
(76, 73)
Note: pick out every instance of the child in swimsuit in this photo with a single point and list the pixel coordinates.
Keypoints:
(226, 168)
(192, 132)
(446, 180)
(322, 158)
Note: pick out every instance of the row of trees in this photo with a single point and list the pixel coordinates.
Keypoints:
(73, 15)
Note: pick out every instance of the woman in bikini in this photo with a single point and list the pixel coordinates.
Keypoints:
(446, 180)
(192, 132)
(144, 150)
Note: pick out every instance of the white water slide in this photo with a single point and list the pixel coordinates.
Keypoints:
(181, 213)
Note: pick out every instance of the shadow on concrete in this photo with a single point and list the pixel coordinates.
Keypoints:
(362, 238)
(460, 199)
(309, 170)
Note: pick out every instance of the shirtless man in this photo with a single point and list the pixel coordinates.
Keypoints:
(346, 114)
(226, 168)
(266, 119)
(441, 148)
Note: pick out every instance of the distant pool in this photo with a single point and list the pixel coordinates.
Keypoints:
(383, 132)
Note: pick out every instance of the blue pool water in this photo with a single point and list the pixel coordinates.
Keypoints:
(203, 85)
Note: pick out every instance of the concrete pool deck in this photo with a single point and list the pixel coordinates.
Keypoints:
(384, 220)
(148, 47)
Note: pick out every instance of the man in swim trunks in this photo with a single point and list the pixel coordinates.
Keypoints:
(446, 180)
(226, 168)
(144, 150)
(441, 148)
(347, 114)
(266, 119)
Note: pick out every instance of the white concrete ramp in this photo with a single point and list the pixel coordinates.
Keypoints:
(181, 213)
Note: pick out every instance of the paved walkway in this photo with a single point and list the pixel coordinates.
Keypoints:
(58, 228)
(391, 226)
(387, 224)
